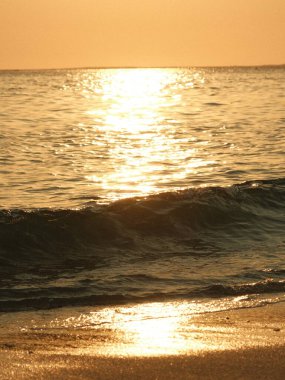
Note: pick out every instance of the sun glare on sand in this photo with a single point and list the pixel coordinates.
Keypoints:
(142, 330)
(160, 328)
(156, 329)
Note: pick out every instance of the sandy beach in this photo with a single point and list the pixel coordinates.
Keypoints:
(236, 344)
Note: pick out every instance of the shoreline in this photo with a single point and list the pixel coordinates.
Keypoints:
(237, 344)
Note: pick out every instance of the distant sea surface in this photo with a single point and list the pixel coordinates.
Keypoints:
(136, 185)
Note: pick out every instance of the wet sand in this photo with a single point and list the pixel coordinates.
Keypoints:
(238, 344)
(259, 363)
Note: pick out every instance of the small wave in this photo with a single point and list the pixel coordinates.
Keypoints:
(261, 287)
(50, 299)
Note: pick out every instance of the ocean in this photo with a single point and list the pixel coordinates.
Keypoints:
(132, 186)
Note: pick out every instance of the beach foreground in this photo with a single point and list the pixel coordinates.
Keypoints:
(260, 363)
(236, 344)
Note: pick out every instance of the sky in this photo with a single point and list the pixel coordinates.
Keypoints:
(107, 33)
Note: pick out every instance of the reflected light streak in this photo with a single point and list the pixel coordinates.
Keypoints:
(150, 329)
(144, 151)
(154, 329)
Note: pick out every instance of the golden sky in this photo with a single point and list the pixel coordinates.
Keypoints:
(80, 33)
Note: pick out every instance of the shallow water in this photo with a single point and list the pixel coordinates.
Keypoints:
(199, 155)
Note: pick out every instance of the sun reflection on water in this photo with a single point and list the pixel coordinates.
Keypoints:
(140, 330)
(144, 149)
(155, 329)
(162, 328)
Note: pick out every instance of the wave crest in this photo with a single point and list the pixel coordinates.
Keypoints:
(244, 211)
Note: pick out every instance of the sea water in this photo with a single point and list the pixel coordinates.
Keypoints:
(137, 185)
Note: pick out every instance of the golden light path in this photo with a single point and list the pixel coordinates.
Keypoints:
(145, 330)
(148, 151)
(159, 328)
(156, 328)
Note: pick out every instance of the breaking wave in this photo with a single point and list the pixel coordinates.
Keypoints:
(42, 245)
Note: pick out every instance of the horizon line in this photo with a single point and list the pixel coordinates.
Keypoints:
(147, 67)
